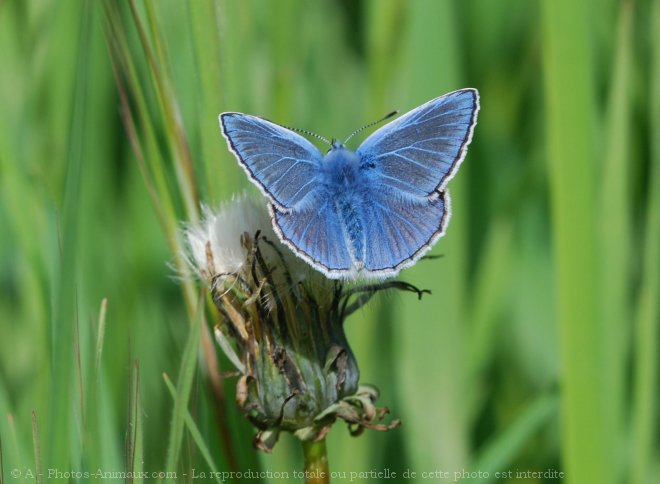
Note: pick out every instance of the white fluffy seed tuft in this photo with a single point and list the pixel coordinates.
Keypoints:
(214, 244)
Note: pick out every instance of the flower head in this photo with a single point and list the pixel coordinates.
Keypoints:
(282, 327)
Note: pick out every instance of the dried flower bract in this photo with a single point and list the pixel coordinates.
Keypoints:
(282, 327)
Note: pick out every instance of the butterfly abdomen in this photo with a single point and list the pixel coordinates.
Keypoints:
(349, 214)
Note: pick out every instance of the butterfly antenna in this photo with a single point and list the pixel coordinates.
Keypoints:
(393, 113)
(304, 131)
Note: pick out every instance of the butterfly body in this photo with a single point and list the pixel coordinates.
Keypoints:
(364, 213)
(347, 188)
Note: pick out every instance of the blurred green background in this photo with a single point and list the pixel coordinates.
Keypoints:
(538, 349)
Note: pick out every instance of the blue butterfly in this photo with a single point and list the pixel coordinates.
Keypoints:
(368, 213)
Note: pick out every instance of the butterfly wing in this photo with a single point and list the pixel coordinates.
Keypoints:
(396, 233)
(315, 235)
(281, 163)
(399, 231)
(418, 153)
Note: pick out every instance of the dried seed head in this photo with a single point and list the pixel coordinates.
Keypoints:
(282, 327)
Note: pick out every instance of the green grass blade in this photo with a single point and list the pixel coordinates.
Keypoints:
(220, 179)
(135, 435)
(570, 125)
(615, 232)
(155, 176)
(152, 167)
(100, 337)
(184, 387)
(170, 111)
(492, 279)
(38, 464)
(645, 396)
(500, 454)
(194, 432)
(60, 425)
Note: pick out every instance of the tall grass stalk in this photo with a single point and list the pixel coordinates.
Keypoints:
(60, 435)
(134, 457)
(615, 235)
(571, 125)
(194, 431)
(184, 387)
(205, 19)
(647, 331)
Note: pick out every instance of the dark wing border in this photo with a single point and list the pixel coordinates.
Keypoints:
(462, 152)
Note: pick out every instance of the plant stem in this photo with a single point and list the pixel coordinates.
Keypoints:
(316, 462)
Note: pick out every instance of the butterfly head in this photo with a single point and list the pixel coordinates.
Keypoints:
(336, 145)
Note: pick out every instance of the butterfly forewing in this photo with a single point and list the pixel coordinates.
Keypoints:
(282, 163)
(419, 152)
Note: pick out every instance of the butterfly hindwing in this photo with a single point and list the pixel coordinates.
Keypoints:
(282, 163)
(419, 152)
(394, 233)
(399, 231)
(315, 235)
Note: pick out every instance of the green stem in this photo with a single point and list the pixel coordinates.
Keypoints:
(316, 462)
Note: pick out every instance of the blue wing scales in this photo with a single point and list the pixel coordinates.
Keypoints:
(282, 163)
(398, 231)
(418, 153)
(316, 236)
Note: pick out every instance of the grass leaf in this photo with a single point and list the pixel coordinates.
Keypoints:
(184, 387)
(571, 126)
(647, 332)
(194, 432)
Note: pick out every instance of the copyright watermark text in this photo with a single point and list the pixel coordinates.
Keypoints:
(285, 476)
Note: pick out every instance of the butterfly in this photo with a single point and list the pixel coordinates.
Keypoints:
(359, 214)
